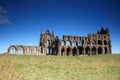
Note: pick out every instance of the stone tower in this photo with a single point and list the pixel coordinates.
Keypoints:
(46, 39)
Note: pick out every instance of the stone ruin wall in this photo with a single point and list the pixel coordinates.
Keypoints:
(93, 44)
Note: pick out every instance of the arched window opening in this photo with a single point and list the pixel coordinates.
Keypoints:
(74, 43)
(41, 50)
(12, 50)
(67, 43)
(62, 43)
(50, 51)
(105, 42)
(99, 42)
(79, 44)
(99, 50)
(20, 50)
(93, 51)
(47, 51)
(35, 50)
(105, 50)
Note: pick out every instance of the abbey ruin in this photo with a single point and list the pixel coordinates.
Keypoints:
(69, 45)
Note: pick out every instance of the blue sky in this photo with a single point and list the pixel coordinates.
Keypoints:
(22, 20)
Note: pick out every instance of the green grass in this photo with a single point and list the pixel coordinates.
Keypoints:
(26, 67)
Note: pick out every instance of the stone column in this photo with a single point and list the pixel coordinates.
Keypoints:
(96, 51)
(70, 52)
(26, 53)
(90, 51)
(40, 50)
(102, 50)
(16, 51)
(78, 52)
(108, 51)
(44, 51)
(59, 51)
(84, 51)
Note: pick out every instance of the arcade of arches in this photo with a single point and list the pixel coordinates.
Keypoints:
(28, 50)
(50, 44)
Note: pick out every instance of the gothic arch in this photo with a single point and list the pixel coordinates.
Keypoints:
(35, 50)
(105, 42)
(74, 43)
(41, 50)
(105, 50)
(63, 43)
(99, 42)
(99, 50)
(12, 49)
(21, 50)
(93, 50)
(79, 43)
(68, 43)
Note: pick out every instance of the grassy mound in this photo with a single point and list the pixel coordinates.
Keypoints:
(33, 67)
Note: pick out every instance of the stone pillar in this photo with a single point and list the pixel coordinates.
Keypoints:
(96, 51)
(70, 53)
(26, 53)
(16, 51)
(102, 50)
(84, 51)
(90, 51)
(59, 51)
(78, 52)
(108, 51)
(40, 50)
(44, 51)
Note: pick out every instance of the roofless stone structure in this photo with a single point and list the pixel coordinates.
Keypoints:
(69, 45)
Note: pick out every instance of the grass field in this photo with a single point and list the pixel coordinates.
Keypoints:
(26, 67)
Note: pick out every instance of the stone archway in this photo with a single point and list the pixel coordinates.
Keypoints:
(62, 43)
(74, 43)
(12, 50)
(105, 50)
(21, 50)
(105, 42)
(99, 42)
(99, 50)
(93, 51)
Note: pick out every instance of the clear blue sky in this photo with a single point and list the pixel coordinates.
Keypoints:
(21, 20)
